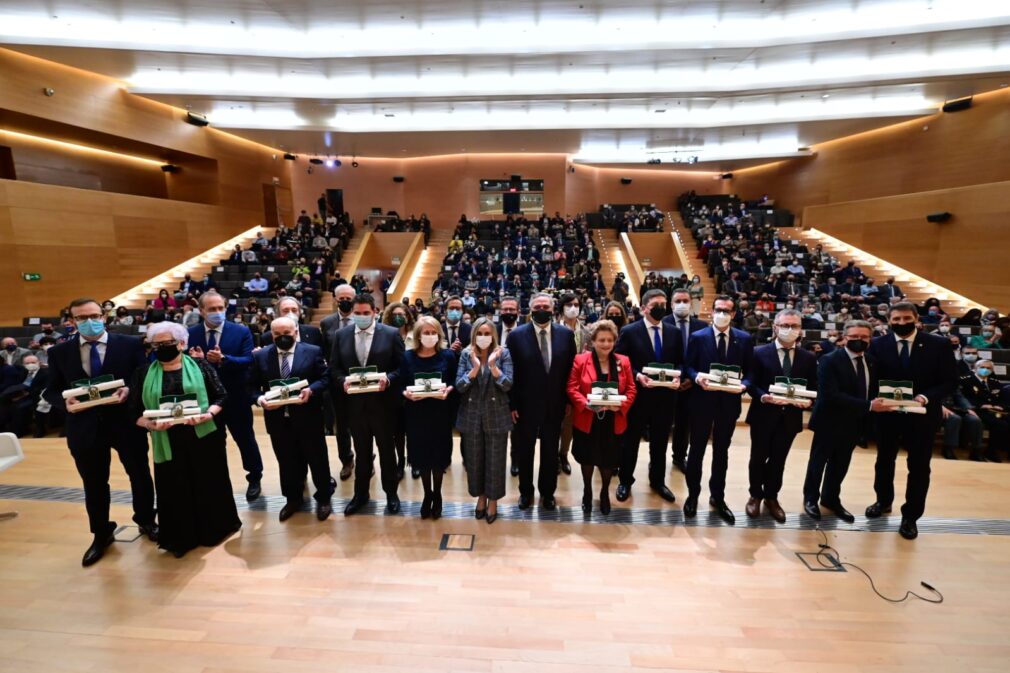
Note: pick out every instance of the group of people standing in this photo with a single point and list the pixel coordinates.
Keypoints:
(498, 380)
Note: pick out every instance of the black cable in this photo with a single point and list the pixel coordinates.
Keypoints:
(836, 561)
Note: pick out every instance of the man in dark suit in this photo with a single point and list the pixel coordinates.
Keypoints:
(687, 325)
(228, 347)
(714, 413)
(372, 415)
(296, 430)
(92, 433)
(649, 340)
(20, 399)
(889, 291)
(983, 397)
(774, 424)
(290, 307)
(927, 360)
(847, 381)
(337, 417)
(457, 335)
(542, 356)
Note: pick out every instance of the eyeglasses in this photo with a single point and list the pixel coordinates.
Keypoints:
(82, 318)
(159, 344)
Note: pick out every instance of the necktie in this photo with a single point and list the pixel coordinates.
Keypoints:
(722, 348)
(285, 365)
(362, 348)
(684, 334)
(545, 352)
(95, 360)
(787, 362)
(903, 354)
(861, 375)
(657, 345)
(344, 322)
(452, 335)
(212, 340)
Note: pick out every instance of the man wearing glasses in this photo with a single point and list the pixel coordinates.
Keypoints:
(93, 432)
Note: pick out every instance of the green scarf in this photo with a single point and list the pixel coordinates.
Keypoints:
(192, 382)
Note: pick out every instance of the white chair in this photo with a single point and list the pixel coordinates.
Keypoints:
(10, 455)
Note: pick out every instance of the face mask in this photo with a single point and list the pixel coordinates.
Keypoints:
(293, 316)
(399, 320)
(509, 319)
(970, 358)
(47, 330)
(986, 334)
(681, 308)
(944, 329)
(215, 319)
(11, 348)
(721, 320)
(984, 372)
(284, 342)
(429, 340)
(32, 368)
(657, 312)
(571, 312)
(541, 316)
(454, 315)
(483, 341)
(362, 322)
(166, 353)
(933, 311)
(617, 319)
(832, 339)
(903, 330)
(788, 335)
(91, 329)
(345, 305)
(856, 345)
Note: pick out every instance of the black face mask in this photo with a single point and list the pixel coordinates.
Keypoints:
(903, 330)
(657, 312)
(345, 305)
(509, 318)
(166, 353)
(616, 319)
(856, 345)
(542, 316)
(284, 342)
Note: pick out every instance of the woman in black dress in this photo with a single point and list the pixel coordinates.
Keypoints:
(428, 420)
(195, 502)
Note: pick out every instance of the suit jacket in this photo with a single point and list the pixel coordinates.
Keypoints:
(386, 354)
(484, 401)
(308, 334)
(463, 330)
(765, 367)
(236, 343)
(702, 352)
(308, 363)
(839, 412)
(932, 368)
(328, 326)
(123, 355)
(580, 384)
(694, 324)
(16, 357)
(537, 393)
(635, 342)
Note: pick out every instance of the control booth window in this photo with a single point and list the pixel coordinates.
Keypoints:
(515, 195)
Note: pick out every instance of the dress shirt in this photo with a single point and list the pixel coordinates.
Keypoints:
(103, 344)
(855, 366)
(370, 332)
(537, 329)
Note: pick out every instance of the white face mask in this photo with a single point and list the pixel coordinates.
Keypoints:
(721, 320)
(571, 312)
(483, 341)
(429, 340)
(681, 308)
(788, 335)
(32, 367)
(944, 329)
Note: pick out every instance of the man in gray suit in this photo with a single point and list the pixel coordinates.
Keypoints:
(12, 354)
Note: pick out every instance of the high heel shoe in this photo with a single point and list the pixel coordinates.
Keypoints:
(426, 507)
(436, 507)
(587, 503)
(492, 516)
(604, 503)
(479, 513)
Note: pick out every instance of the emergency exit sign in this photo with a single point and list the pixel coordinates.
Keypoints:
(32, 276)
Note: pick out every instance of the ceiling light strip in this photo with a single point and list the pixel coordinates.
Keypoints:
(62, 144)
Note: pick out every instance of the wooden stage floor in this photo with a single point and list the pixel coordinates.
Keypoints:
(643, 592)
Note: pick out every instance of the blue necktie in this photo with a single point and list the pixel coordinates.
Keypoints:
(285, 365)
(657, 344)
(904, 355)
(684, 334)
(212, 340)
(95, 360)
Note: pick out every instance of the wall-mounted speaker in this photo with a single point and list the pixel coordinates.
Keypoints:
(197, 119)
(726, 176)
(938, 217)
(316, 161)
(398, 178)
(289, 156)
(170, 168)
(625, 181)
(957, 105)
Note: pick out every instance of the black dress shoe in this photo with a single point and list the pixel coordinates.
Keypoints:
(525, 501)
(587, 503)
(426, 507)
(290, 509)
(948, 453)
(812, 510)
(690, 507)
(839, 511)
(392, 504)
(992, 457)
(324, 510)
(623, 492)
(479, 513)
(565, 466)
(723, 510)
(680, 464)
(254, 491)
(97, 549)
(908, 529)
(876, 510)
(436, 507)
(400, 472)
(415, 473)
(665, 493)
(604, 503)
(151, 530)
(356, 503)
(346, 471)
(514, 470)
(491, 518)
(549, 503)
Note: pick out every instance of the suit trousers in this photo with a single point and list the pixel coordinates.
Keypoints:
(299, 450)
(769, 448)
(566, 432)
(916, 436)
(237, 416)
(372, 422)
(546, 428)
(999, 431)
(681, 427)
(93, 463)
(485, 463)
(829, 462)
(657, 416)
(718, 425)
(342, 428)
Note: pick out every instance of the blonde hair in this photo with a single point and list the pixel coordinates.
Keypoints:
(603, 326)
(427, 321)
(480, 322)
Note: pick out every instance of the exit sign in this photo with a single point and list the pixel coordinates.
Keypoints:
(32, 276)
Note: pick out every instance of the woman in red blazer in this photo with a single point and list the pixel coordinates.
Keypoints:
(596, 431)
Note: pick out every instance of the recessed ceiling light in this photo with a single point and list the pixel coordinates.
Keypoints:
(390, 114)
(826, 96)
(660, 111)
